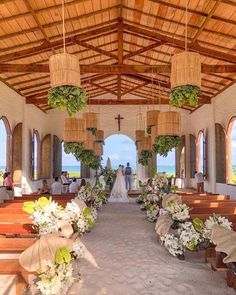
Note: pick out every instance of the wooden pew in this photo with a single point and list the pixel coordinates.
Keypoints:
(17, 229)
(15, 245)
(207, 197)
(216, 210)
(213, 204)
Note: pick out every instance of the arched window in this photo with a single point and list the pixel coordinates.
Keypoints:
(167, 164)
(36, 156)
(231, 151)
(200, 152)
(5, 146)
(70, 164)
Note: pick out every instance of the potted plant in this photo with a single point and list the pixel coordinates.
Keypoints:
(165, 143)
(66, 97)
(184, 94)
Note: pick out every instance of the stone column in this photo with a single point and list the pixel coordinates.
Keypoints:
(84, 171)
(152, 165)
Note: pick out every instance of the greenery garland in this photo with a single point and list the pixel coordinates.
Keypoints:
(87, 157)
(165, 143)
(144, 158)
(185, 94)
(70, 98)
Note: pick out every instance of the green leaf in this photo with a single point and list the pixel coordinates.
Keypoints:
(29, 207)
(90, 222)
(63, 255)
(184, 94)
(198, 224)
(87, 211)
(43, 202)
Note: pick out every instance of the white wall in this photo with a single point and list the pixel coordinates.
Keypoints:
(222, 108)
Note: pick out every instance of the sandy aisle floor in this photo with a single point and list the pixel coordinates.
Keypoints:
(131, 261)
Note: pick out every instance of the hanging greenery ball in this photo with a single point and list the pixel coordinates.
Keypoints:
(165, 143)
(185, 94)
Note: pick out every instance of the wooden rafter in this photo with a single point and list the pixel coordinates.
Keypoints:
(179, 43)
(113, 69)
(45, 46)
(103, 88)
(143, 49)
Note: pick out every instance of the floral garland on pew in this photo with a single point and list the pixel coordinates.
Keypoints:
(178, 233)
(51, 221)
(186, 234)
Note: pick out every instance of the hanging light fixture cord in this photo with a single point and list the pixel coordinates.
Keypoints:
(186, 25)
(63, 26)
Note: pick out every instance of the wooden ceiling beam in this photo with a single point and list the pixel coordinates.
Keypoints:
(96, 49)
(103, 88)
(143, 49)
(193, 11)
(45, 46)
(179, 43)
(134, 88)
(112, 69)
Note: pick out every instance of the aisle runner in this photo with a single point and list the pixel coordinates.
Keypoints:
(131, 261)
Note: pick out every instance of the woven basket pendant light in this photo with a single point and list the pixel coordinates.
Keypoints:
(98, 148)
(169, 123)
(64, 67)
(74, 130)
(152, 118)
(186, 66)
(91, 120)
(145, 145)
(89, 142)
(139, 135)
(100, 136)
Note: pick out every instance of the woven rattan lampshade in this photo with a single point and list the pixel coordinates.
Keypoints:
(154, 134)
(64, 70)
(185, 69)
(145, 145)
(100, 136)
(74, 130)
(169, 123)
(91, 120)
(89, 142)
(152, 118)
(98, 148)
(139, 135)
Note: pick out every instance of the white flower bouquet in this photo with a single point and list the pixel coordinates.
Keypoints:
(214, 220)
(57, 278)
(173, 245)
(188, 236)
(152, 212)
(45, 214)
(179, 212)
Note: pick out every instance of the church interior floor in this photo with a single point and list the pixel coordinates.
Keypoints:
(131, 261)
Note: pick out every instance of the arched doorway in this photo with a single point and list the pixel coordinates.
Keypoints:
(70, 164)
(5, 147)
(120, 149)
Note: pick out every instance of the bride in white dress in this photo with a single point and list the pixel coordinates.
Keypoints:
(119, 192)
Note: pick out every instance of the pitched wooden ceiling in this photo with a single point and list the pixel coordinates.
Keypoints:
(124, 46)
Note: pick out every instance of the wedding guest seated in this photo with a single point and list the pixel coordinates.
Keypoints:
(8, 183)
(45, 189)
(73, 187)
(64, 179)
(57, 187)
(82, 183)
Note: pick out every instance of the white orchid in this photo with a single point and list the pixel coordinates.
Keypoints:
(215, 220)
(172, 244)
(188, 236)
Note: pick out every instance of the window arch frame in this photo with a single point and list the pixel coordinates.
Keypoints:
(36, 134)
(228, 149)
(8, 143)
(201, 134)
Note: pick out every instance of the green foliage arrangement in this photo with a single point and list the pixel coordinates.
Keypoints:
(74, 148)
(186, 94)
(93, 130)
(87, 157)
(144, 158)
(165, 143)
(149, 130)
(70, 98)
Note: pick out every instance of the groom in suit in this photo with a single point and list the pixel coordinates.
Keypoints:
(128, 177)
